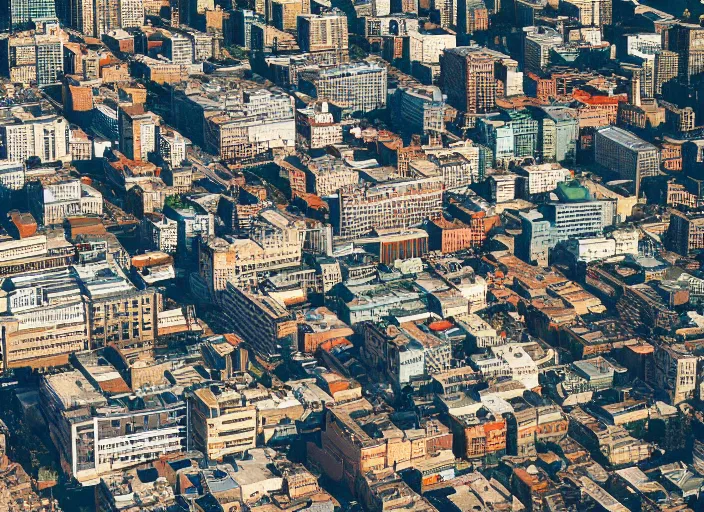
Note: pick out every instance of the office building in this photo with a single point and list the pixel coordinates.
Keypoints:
(273, 245)
(428, 46)
(18, 15)
(472, 16)
(317, 126)
(469, 77)
(624, 153)
(24, 135)
(418, 110)
(172, 147)
(265, 122)
(94, 440)
(666, 68)
(538, 43)
(29, 58)
(685, 233)
(54, 198)
(285, 13)
(395, 204)
(261, 321)
(357, 87)
(687, 40)
(242, 21)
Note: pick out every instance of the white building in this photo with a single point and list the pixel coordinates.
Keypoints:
(23, 136)
(427, 47)
(172, 147)
(509, 360)
(541, 178)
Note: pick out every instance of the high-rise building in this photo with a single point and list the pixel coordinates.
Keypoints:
(50, 59)
(624, 153)
(469, 77)
(94, 17)
(243, 20)
(137, 132)
(178, 49)
(31, 58)
(472, 16)
(447, 10)
(324, 33)
(536, 48)
(284, 13)
(687, 40)
(591, 12)
(427, 47)
(20, 14)
(359, 87)
(131, 13)
(666, 68)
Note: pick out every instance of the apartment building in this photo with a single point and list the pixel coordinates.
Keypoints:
(624, 153)
(222, 424)
(394, 204)
(261, 321)
(23, 136)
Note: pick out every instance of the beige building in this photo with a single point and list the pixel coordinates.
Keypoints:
(23, 135)
(324, 33)
(221, 424)
(274, 244)
(137, 130)
(394, 204)
(427, 47)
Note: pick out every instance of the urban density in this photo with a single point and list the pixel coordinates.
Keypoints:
(351, 256)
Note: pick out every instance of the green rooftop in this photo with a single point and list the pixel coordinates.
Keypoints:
(572, 192)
